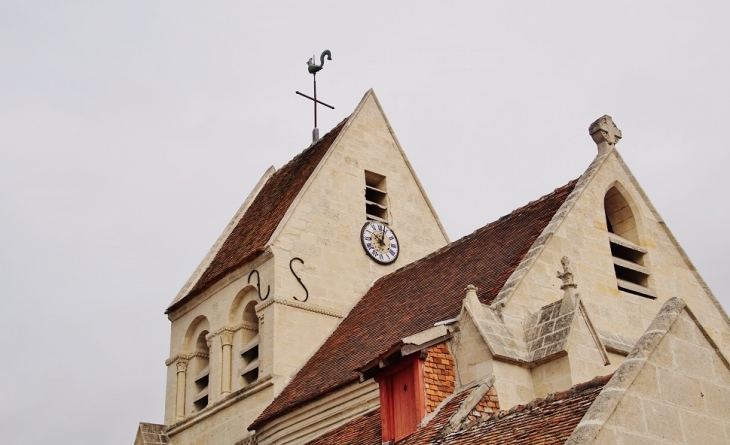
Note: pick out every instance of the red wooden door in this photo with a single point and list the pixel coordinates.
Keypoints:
(405, 411)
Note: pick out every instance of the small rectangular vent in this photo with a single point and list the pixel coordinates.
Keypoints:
(376, 197)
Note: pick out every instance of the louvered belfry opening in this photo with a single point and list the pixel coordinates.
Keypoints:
(202, 372)
(376, 197)
(632, 275)
(250, 351)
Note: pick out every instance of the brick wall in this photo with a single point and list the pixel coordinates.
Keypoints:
(439, 375)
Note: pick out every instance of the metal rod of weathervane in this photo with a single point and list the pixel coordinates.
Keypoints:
(313, 69)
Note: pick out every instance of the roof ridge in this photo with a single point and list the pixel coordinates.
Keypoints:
(480, 230)
(596, 382)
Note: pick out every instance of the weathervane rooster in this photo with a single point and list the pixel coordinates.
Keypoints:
(313, 67)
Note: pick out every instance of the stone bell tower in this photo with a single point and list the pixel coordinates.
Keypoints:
(286, 270)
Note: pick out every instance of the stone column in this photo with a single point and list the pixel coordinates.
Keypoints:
(182, 367)
(226, 345)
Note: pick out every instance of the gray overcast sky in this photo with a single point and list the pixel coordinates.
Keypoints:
(130, 132)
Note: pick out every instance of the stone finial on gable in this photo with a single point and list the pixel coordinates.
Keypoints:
(605, 133)
(471, 291)
(567, 275)
(570, 296)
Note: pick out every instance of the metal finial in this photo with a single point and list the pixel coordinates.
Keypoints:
(313, 70)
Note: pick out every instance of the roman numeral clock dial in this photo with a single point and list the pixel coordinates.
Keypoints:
(379, 242)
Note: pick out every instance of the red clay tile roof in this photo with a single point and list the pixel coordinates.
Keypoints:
(416, 296)
(248, 239)
(548, 421)
(430, 431)
(364, 430)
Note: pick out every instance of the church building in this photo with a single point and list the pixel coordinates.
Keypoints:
(334, 309)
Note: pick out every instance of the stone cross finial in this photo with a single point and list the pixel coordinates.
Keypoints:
(471, 290)
(566, 275)
(605, 133)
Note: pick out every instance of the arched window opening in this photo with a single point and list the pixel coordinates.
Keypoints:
(619, 217)
(250, 352)
(201, 371)
(628, 256)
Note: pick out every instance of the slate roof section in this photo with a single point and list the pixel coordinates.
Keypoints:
(415, 297)
(151, 434)
(248, 239)
(548, 421)
(547, 331)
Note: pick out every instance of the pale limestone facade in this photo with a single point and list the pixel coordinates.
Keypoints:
(674, 388)
(681, 395)
(551, 326)
(322, 228)
(609, 316)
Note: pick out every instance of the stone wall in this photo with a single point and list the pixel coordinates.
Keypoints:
(583, 236)
(580, 233)
(681, 395)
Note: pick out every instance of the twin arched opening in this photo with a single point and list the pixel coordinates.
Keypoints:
(193, 369)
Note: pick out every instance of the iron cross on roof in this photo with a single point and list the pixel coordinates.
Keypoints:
(313, 69)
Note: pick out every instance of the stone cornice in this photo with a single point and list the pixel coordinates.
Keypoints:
(259, 385)
(185, 357)
(230, 330)
(305, 306)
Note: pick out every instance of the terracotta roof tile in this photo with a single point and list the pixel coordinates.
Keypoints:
(416, 296)
(428, 432)
(248, 239)
(548, 421)
(364, 430)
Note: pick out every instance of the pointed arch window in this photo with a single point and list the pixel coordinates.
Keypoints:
(632, 275)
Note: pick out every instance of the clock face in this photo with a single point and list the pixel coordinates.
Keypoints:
(380, 242)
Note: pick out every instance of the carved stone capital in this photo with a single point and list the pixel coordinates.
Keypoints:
(226, 338)
(182, 365)
(604, 132)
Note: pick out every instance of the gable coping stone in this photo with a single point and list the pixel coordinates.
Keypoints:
(521, 271)
(607, 401)
(223, 236)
